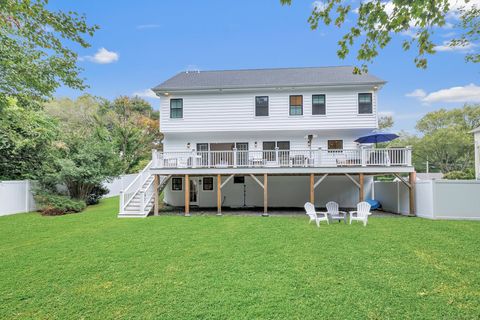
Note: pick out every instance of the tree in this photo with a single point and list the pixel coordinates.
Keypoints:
(446, 142)
(34, 57)
(376, 21)
(85, 153)
(134, 131)
(26, 141)
(385, 122)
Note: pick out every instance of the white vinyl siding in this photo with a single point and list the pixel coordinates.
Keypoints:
(226, 112)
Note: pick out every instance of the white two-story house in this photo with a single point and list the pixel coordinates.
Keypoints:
(265, 138)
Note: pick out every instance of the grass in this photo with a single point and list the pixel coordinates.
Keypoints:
(93, 265)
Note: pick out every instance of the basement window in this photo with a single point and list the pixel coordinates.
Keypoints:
(208, 184)
(177, 184)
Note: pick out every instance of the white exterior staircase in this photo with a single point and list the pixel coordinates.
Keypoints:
(137, 200)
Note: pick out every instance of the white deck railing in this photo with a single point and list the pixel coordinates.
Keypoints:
(284, 158)
(129, 192)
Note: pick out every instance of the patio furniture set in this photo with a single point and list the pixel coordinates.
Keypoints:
(333, 213)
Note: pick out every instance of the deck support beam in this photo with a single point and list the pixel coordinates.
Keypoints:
(155, 195)
(265, 195)
(361, 194)
(412, 178)
(187, 195)
(226, 180)
(320, 180)
(312, 188)
(219, 195)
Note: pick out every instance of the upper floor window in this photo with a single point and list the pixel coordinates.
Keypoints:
(261, 106)
(176, 108)
(364, 103)
(318, 104)
(296, 105)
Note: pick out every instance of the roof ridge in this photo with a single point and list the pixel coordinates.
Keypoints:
(260, 69)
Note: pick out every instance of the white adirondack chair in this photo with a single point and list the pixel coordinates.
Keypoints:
(362, 213)
(310, 211)
(334, 213)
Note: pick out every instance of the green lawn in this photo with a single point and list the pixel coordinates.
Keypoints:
(93, 265)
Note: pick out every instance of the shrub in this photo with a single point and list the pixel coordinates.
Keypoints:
(52, 204)
(97, 193)
(460, 175)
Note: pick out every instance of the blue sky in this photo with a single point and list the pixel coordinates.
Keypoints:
(142, 43)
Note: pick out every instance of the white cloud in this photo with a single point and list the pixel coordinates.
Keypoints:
(103, 56)
(319, 5)
(467, 93)
(417, 93)
(147, 93)
(445, 47)
(147, 26)
(448, 35)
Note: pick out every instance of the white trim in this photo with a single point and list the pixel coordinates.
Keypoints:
(258, 181)
(320, 180)
(353, 180)
(226, 180)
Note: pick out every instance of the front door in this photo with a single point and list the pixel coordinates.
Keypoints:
(194, 191)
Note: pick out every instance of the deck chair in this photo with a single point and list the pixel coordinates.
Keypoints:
(333, 212)
(362, 213)
(310, 211)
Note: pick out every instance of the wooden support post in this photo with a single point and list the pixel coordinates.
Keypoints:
(155, 195)
(312, 188)
(412, 179)
(187, 195)
(361, 196)
(219, 195)
(265, 195)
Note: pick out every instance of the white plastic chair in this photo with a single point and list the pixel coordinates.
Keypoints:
(310, 211)
(362, 213)
(334, 213)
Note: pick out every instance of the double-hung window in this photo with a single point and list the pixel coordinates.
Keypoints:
(296, 105)
(176, 108)
(208, 184)
(261, 106)
(176, 184)
(318, 104)
(364, 103)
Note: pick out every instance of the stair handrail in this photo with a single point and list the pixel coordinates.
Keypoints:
(149, 195)
(144, 173)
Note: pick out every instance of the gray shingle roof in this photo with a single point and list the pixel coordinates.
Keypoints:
(253, 78)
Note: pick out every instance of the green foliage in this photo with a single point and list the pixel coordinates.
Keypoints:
(26, 138)
(236, 267)
(96, 194)
(54, 204)
(468, 174)
(83, 160)
(385, 122)
(133, 130)
(446, 141)
(376, 21)
(34, 57)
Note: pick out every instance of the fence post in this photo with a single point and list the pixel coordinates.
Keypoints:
(409, 156)
(320, 153)
(234, 157)
(142, 200)
(276, 156)
(122, 201)
(194, 158)
(362, 156)
(154, 158)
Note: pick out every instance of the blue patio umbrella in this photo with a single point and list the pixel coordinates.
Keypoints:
(377, 137)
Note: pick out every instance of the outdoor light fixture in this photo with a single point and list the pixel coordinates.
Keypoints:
(188, 145)
(256, 144)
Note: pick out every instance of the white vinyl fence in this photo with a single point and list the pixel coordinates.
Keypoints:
(434, 199)
(17, 196)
